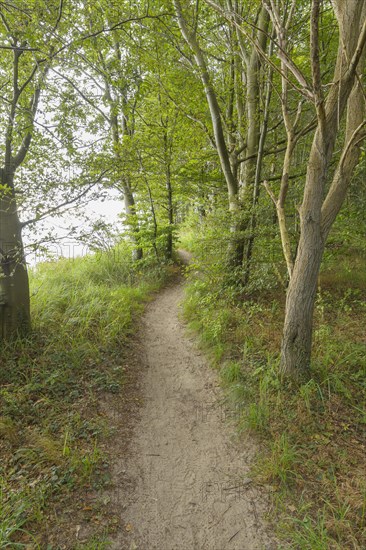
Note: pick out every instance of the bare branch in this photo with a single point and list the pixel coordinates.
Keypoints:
(59, 17)
(342, 177)
(23, 150)
(6, 25)
(305, 89)
(18, 48)
(358, 52)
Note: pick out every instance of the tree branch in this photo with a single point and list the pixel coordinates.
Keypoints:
(342, 177)
(65, 203)
(89, 101)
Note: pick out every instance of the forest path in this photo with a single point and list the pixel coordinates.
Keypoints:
(186, 476)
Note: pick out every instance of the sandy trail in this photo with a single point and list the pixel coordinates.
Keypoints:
(188, 477)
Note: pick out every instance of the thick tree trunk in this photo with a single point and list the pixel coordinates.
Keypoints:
(317, 216)
(297, 332)
(14, 284)
(300, 300)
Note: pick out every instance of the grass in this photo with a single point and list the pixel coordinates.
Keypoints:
(83, 312)
(312, 437)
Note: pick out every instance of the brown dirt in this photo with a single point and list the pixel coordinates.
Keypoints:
(183, 482)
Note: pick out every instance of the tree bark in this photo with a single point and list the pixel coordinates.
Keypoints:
(317, 217)
(300, 300)
(14, 283)
(258, 173)
(253, 63)
(132, 221)
(119, 129)
(169, 243)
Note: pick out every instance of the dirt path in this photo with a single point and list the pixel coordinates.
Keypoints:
(188, 478)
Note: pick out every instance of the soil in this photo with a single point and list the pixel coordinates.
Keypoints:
(183, 481)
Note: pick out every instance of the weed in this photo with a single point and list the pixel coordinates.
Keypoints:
(94, 544)
(280, 465)
(231, 372)
(309, 533)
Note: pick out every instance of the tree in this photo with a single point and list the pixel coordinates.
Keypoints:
(21, 90)
(324, 192)
(118, 61)
(235, 149)
(32, 40)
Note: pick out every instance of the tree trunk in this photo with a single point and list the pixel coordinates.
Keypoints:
(257, 177)
(297, 332)
(117, 129)
(255, 139)
(235, 250)
(132, 221)
(169, 243)
(316, 216)
(236, 245)
(300, 299)
(14, 283)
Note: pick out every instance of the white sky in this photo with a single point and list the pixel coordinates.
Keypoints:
(69, 247)
(108, 211)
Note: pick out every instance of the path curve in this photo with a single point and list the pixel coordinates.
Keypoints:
(188, 475)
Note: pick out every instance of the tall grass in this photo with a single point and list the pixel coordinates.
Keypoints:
(82, 313)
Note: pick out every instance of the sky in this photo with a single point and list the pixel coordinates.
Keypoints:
(69, 246)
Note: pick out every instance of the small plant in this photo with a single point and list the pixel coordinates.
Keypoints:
(280, 465)
(231, 372)
(94, 544)
(309, 533)
(309, 392)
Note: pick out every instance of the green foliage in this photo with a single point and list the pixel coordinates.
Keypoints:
(332, 528)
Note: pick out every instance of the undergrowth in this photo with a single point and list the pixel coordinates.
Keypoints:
(312, 457)
(50, 424)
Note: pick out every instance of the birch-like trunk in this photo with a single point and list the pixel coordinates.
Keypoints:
(300, 300)
(236, 242)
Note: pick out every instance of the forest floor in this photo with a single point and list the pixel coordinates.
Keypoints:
(183, 479)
